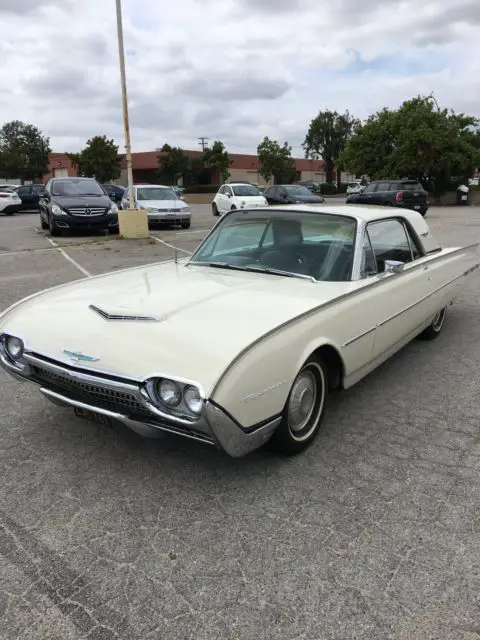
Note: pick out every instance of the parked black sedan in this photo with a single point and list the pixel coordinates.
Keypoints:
(291, 194)
(30, 196)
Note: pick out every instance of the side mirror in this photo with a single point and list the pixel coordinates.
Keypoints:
(229, 195)
(46, 196)
(394, 266)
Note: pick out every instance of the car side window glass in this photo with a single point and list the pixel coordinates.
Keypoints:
(369, 263)
(228, 191)
(389, 242)
(369, 188)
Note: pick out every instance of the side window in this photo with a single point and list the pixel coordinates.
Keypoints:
(369, 263)
(370, 188)
(23, 191)
(382, 186)
(389, 242)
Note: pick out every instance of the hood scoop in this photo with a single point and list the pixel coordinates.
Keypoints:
(122, 314)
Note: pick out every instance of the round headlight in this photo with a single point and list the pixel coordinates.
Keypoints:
(193, 399)
(14, 347)
(169, 393)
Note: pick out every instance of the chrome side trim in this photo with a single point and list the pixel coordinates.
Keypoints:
(429, 295)
(358, 337)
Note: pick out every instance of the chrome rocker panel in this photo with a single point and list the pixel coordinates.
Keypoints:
(215, 427)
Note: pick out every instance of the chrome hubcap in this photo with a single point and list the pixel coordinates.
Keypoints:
(438, 320)
(302, 401)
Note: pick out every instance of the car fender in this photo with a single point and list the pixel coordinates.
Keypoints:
(256, 384)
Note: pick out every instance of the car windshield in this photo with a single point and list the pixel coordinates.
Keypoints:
(160, 193)
(244, 190)
(316, 246)
(77, 188)
(297, 190)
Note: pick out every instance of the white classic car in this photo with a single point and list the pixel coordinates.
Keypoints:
(240, 344)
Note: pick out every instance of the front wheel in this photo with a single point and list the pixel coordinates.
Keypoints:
(304, 410)
(52, 227)
(186, 225)
(215, 211)
(43, 224)
(433, 330)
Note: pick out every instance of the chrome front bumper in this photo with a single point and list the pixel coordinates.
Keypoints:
(215, 427)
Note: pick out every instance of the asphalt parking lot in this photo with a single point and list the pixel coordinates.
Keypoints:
(373, 533)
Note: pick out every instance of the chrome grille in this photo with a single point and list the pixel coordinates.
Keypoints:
(95, 394)
(87, 211)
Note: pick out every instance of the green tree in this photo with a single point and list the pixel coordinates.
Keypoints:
(419, 140)
(173, 164)
(276, 161)
(100, 159)
(217, 157)
(327, 135)
(23, 151)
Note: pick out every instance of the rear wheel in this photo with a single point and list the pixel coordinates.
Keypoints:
(304, 410)
(434, 329)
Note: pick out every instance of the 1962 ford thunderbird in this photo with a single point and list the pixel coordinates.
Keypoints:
(240, 344)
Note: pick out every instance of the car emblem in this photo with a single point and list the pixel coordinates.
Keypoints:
(87, 212)
(76, 356)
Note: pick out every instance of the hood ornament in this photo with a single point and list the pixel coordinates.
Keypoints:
(77, 356)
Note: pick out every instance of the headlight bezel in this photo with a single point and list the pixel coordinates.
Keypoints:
(182, 409)
(15, 360)
(58, 211)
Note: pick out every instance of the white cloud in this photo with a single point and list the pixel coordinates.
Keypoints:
(236, 69)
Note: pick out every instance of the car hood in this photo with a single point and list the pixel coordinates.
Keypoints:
(81, 201)
(162, 204)
(204, 318)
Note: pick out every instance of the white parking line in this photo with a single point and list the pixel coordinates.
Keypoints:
(167, 244)
(67, 257)
(23, 251)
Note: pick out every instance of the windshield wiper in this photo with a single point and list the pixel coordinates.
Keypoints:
(269, 270)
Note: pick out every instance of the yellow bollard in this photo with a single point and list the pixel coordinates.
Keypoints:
(132, 223)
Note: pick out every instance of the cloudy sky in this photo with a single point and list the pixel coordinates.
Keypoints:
(236, 70)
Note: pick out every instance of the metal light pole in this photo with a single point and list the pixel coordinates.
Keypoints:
(128, 146)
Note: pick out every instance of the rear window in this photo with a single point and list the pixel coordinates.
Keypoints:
(411, 186)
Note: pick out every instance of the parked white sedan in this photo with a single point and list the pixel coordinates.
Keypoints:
(162, 204)
(237, 195)
(241, 344)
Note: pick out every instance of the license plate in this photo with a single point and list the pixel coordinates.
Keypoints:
(417, 206)
(92, 416)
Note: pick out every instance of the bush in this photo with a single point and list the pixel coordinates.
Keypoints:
(202, 188)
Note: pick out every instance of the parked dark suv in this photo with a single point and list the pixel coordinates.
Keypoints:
(69, 204)
(407, 194)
